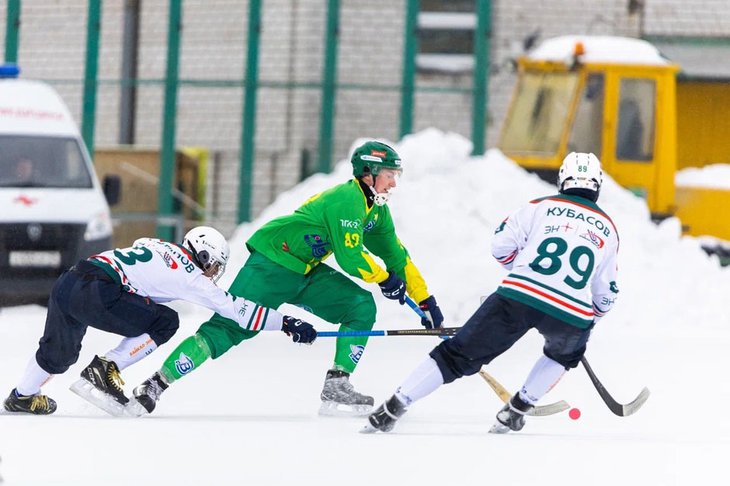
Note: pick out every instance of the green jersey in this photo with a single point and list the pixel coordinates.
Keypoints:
(338, 221)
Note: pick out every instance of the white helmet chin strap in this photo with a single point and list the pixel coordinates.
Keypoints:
(380, 199)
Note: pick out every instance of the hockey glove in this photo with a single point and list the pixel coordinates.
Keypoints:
(394, 288)
(432, 311)
(300, 331)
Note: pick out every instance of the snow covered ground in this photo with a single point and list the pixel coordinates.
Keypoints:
(251, 416)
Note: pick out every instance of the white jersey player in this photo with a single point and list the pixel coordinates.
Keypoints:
(561, 252)
(122, 291)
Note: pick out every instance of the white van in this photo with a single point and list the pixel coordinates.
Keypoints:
(53, 211)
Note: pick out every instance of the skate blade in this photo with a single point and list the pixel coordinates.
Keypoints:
(135, 409)
(98, 398)
(499, 428)
(334, 409)
(368, 429)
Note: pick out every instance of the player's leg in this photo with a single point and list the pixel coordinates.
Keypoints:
(335, 298)
(494, 327)
(260, 280)
(564, 346)
(58, 349)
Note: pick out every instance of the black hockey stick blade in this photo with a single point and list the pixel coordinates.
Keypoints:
(620, 409)
(441, 331)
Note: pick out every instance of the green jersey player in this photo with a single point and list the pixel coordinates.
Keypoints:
(351, 221)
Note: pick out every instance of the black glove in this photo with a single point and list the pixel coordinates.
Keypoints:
(394, 288)
(300, 331)
(431, 308)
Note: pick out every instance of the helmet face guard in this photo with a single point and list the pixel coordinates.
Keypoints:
(209, 250)
(212, 268)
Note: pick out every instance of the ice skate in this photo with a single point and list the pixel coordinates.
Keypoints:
(339, 397)
(101, 385)
(146, 395)
(383, 419)
(512, 416)
(33, 404)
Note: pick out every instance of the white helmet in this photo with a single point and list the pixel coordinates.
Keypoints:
(581, 175)
(210, 250)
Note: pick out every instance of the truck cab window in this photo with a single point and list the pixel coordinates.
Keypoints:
(635, 133)
(538, 117)
(587, 131)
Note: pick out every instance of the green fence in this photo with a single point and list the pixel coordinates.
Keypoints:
(276, 90)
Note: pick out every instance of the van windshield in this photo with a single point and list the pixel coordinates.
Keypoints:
(40, 161)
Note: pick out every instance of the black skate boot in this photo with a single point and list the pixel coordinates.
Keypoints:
(385, 416)
(512, 416)
(105, 377)
(34, 404)
(148, 393)
(101, 386)
(340, 398)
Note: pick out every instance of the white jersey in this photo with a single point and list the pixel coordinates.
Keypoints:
(164, 272)
(562, 253)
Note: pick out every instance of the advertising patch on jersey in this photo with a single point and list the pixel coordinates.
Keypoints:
(318, 246)
(347, 223)
(593, 238)
(183, 364)
(169, 261)
(370, 224)
(356, 352)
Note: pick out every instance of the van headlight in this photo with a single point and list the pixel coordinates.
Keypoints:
(100, 226)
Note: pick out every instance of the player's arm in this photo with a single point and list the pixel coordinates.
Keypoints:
(384, 243)
(510, 236)
(604, 287)
(346, 235)
(249, 315)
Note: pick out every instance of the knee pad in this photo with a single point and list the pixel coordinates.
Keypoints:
(56, 364)
(567, 360)
(452, 363)
(165, 326)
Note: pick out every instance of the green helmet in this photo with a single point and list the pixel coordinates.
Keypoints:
(372, 156)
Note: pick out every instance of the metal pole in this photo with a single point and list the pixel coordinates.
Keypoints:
(128, 91)
(481, 74)
(248, 131)
(88, 117)
(165, 226)
(329, 86)
(410, 50)
(12, 29)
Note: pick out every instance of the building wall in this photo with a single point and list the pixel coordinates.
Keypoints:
(213, 62)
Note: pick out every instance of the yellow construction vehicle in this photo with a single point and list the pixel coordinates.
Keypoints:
(622, 100)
